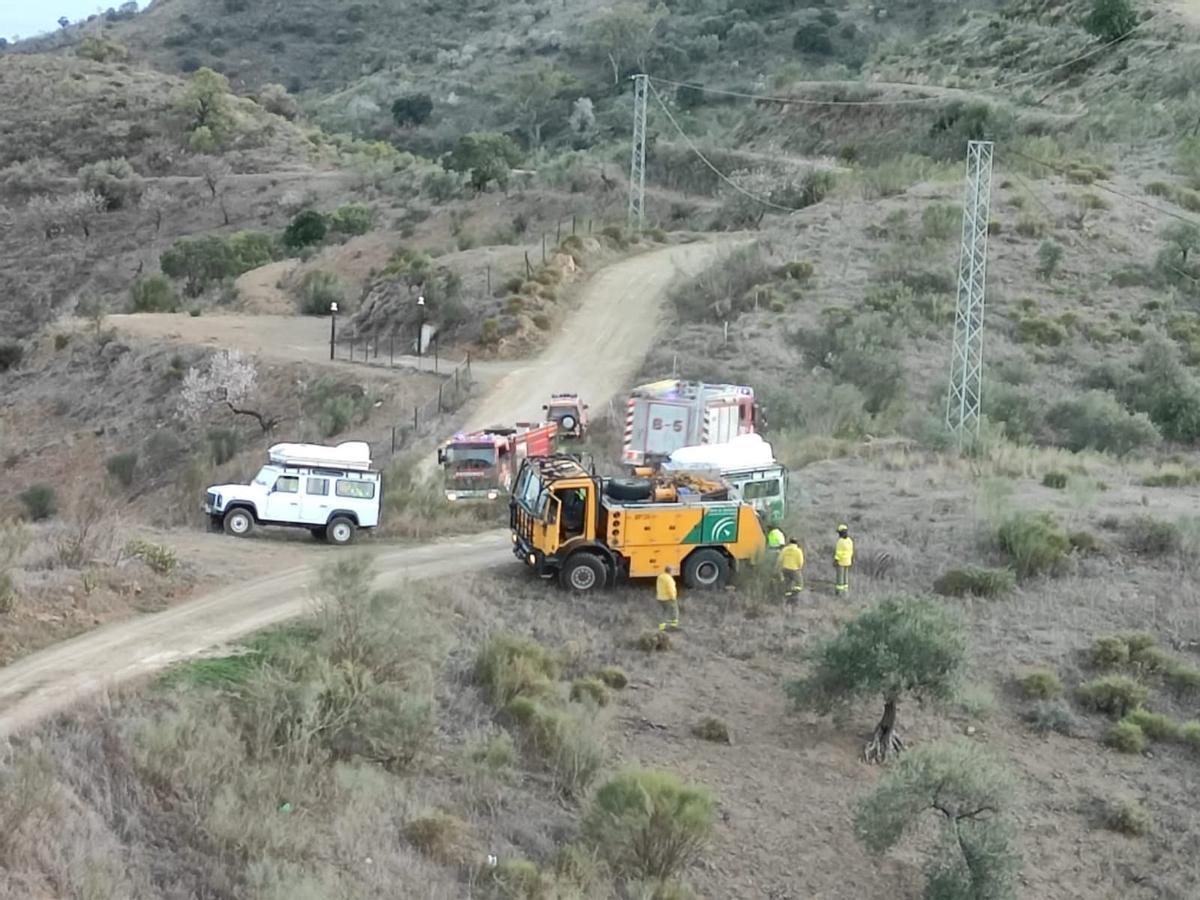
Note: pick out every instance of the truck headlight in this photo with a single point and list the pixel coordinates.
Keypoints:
(532, 559)
(451, 496)
(492, 495)
(514, 537)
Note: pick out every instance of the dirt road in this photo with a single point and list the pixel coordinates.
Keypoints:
(599, 349)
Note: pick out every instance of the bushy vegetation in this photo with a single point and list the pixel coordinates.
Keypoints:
(154, 294)
(11, 354)
(1114, 695)
(1097, 421)
(649, 824)
(904, 646)
(306, 228)
(1046, 715)
(962, 787)
(335, 406)
(122, 467)
(159, 558)
(317, 292)
(40, 502)
(1034, 543)
(205, 261)
(975, 581)
(1041, 685)
(1126, 737)
(1128, 817)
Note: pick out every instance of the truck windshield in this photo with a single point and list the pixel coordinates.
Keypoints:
(529, 493)
(557, 412)
(266, 475)
(462, 465)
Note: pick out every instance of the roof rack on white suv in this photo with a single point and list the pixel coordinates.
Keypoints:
(351, 455)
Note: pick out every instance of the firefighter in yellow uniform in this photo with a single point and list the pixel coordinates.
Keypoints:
(843, 559)
(668, 598)
(791, 564)
(775, 538)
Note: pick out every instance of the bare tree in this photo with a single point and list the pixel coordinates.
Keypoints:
(154, 203)
(82, 208)
(215, 171)
(230, 379)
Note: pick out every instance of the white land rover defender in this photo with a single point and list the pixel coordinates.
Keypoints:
(332, 491)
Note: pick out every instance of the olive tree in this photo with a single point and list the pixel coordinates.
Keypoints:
(485, 157)
(969, 795)
(625, 34)
(904, 646)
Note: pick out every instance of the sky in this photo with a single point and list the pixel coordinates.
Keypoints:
(29, 17)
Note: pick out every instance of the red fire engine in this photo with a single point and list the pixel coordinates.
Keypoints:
(481, 465)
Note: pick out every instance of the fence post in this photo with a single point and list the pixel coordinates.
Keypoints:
(489, 279)
(558, 232)
(392, 350)
(543, 248)
(416, 418)
(589, 226)
(456, 382)
(440, 407)
(468, 367)
(393, 439)
(572, 223)
(436, 353)
(528, 267)
(376, 345)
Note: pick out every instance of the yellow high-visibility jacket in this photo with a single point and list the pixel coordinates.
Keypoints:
(843, 553)
(775, 538)
(791, 558)
(665, 588)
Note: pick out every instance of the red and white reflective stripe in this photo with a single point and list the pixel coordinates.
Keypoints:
(629, 416)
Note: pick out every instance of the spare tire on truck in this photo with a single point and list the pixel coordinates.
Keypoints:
(629, 489)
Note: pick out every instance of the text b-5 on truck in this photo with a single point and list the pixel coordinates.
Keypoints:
(332, 491)
(591, 532)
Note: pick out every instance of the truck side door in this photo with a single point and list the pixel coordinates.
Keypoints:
(283, 503)
(666, 428)
(314, 502)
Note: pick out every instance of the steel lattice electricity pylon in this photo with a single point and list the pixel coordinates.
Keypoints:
(637, 168)
(966, 363)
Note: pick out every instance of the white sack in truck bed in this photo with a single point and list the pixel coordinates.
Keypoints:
(746, 451)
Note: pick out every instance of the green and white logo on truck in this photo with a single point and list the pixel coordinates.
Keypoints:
(716, 526)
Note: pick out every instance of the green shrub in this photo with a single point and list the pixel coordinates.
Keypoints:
(39, 501)
(1056, 480)
(1109, 651)
(11, 354)
(797, 270)
(1152, 659)
(712, 729)
(592, 689)
(517, 879)
(122, 467)
(1084, 542)
(223, 445)
(1148, 536)
(652, 641)
(940, 221)
(813, 38)
(1034, 543)
(1128, 817)
(305, 229)
(616, 234)
(1126, 737)
(1046, 716)
(1156, 726)
(438, 836)
(1113, 695)
(613, 677)
(317, 292)
(1189, 735)
(159, 558)
(1040, 331)
(1110, 20)
(1097, 421)
(648, 824)
(975, 581)
(153, 294)
(509, 666)
(352, 219)
(1049, 254)
(1042, 684)
(114, 180)
(1183, 679)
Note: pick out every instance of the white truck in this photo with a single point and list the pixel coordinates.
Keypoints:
(331, 491)
(747, 464)
(663, 416)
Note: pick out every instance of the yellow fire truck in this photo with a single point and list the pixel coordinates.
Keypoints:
(590, 532)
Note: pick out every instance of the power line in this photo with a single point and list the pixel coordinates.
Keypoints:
(704, 159)
(1111, 190)
(908, 101)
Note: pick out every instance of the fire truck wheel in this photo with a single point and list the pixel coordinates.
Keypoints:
(631, 489)
(706, 570)
(583, 573)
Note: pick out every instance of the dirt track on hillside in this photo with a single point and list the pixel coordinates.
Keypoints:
(598, 350)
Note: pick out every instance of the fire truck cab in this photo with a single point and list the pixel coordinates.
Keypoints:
(481, 465)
